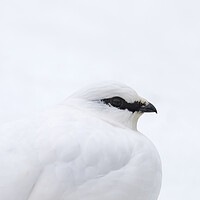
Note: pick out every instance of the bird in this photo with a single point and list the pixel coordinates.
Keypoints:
(86, 147)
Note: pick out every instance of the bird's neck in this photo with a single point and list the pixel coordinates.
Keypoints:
(119, 118)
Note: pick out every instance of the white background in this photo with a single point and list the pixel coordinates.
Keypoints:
(48, 49)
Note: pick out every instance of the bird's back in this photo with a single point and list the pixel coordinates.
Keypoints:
(65, 154)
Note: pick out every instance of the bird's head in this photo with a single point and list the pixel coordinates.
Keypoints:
(114, 102)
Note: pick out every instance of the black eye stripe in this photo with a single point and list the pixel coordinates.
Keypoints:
(120, 103)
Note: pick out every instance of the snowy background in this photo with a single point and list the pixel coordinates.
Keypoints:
(48, 49)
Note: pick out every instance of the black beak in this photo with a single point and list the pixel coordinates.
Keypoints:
(148, 108)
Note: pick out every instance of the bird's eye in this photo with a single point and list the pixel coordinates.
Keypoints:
(116, 101)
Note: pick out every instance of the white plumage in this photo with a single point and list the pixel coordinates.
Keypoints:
(81, 149)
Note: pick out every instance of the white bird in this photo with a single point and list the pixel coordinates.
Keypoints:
(86, 148)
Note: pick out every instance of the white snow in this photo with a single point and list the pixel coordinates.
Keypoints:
(50, 48)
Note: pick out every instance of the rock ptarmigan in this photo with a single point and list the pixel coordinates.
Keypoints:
(86, 148)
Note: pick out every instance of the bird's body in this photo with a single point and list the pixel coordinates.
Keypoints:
(71, 152)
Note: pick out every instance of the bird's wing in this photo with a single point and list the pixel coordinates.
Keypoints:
(64, 155)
